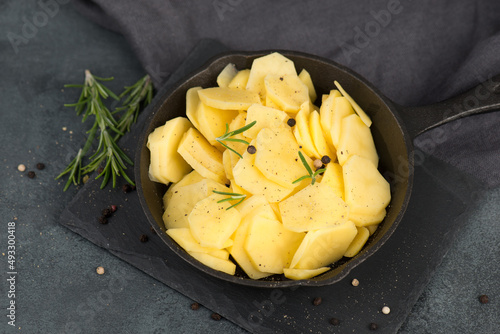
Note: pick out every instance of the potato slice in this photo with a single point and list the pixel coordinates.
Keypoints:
(237, 250)
(203, 157)
(323, 247)
(287, 91)
(250, 178)
(301, 131)
(366, 190)
(167, 164)
(367, 220)
(227, 98)
(211, 224)
(192, 101)
(188, 179)
(215, 263)
(358, 242)
(269, 245)
(265, 117)
(364, 117)
(251, 204)
(298, 274)
(240, 80)
(277, 156)
(317, 136)
(273, 63)
(226, 75)
(314, 207)
(334, 177)
(356, 139)
(212, 122)
(341, 109)
(185, 239)
(372, 228)
(305, 77)
(184, 199)
(326, 114)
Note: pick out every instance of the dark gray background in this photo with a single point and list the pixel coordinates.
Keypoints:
(58, 289)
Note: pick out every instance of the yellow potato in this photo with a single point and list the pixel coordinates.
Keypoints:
(273, 63)
(212, 122)
(265, 117)
(356, 139)
(211, 224)
(286, 91)
(226, 75)
(364, 117)
(166, 163)
(358, 242)
(334, 177)
(324, 246)
(203, 157)
(317, 136)
(185, 239)
(188, 179)
(367, 220)
(184, 199)
(277, 156)
(341, 109)
(215, 263)
(227, 98)
(305, 77)
(366, 190)
(269, 245)
(240, 80)
(192, 101)
(301, 131)
(314, 207)
(326, 114)
(298, 274)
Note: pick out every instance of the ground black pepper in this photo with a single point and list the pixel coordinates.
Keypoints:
(291, 122)
(143, 238)
(40, 166)
(484, 299)
(195, 306)
(373, 326)
(317, 301)
(31, 174)
(216, 316)
(335, 321)
(251, 149)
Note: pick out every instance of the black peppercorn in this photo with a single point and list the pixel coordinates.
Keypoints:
(373, 326)
(40, 166)
(216, 316)
(143, 238)
(106, 213)
(152, 230)
(325, 159)
(251, 149)
(126, 188)
(335, 321)
(103, 220)
(484, 299)
(317, 301)
(291, 122)
(31, 174)
(195, 306)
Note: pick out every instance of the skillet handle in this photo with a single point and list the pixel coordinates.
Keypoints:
(483, 98)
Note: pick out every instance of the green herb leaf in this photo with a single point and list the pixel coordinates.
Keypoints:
(232, 197)
(228, 134)
(310, 173)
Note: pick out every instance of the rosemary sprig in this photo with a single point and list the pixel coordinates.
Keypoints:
(233, 196)
(108, 154)
(228, 134)
(309, 171)
(139, 94)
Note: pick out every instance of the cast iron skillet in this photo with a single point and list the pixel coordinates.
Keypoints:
(394, 127)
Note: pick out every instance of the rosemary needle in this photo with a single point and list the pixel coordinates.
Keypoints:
(232, 197)
(310, 173)
(228, 134)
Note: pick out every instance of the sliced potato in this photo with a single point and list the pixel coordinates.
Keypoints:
(192, 101)
(324, 246)
(326, 114)
(240, 80)
(265, 117)
(212, 122)
(211, 224)
(203, 157)
(215, 263)
(334, 177)
(301, 131)
(356, 139)
(188, 179)
(341, 109)
(186, 240)
(305, 77)
(366, 190)
(358, 242)
(364, 117)
(314, 207)
(298, 274)
(226, 75)
(317, 137)
(287, 91)
(228, 98)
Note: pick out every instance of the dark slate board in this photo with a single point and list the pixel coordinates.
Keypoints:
(394, 276)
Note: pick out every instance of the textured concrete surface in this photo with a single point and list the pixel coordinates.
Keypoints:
(57, 289)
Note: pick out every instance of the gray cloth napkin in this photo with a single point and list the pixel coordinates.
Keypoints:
(415, 52)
